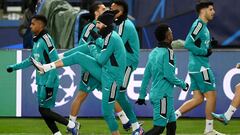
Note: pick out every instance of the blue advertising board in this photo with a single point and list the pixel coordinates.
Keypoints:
(222, 62)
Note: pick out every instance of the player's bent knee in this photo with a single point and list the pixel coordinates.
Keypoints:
(198, 99)
(237, 87)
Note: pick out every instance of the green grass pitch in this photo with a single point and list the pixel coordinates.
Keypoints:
(97, 126)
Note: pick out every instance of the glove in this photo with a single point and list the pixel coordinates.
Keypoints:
(187, 87)
(94, 34)
(209, 52)
(140, 102)
(214, 42)
(9, 69)
(49, 93)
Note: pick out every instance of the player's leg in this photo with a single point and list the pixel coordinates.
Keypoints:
(53, 116)
(122, 116)
(126, 79)
(76, 104)
(171, 128)
(126, 106)
(109, 91)
(208, 87)
(87, 84)
(51, 125)
(226, 117)
(156, 130)
(159, 116)
(85, 61)
(171, 125)
(47, 113)
(210, 107)
(234, 104)
(196, 100)
(81, 48)
(236, 100)
(82, 94)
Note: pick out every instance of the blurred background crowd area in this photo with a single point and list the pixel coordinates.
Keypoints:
(14, 9)
(146, 15)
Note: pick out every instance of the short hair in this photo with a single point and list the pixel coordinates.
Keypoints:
(41, 18)
(203, 4)
(94, 7)
(160, 32)
(123, 4)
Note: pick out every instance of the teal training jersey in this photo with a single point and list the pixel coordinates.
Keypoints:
(161, 68)
(85, 36)
(44, 52)
(129, 35)
(85, 39)
(112, 57)
(197, 43)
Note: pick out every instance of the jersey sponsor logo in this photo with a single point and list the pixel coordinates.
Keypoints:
(65, 92)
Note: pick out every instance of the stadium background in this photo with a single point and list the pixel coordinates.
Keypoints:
(18, 95)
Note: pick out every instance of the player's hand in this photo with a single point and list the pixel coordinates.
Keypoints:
(49, 93)
(187, 87)
(9, 69)
(94, 34)
(209, 52)
(238, 66)
(140, 102)
(214, 42)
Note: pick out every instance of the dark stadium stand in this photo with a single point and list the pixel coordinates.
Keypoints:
(12, 5)
(146, 18)
(4, 4)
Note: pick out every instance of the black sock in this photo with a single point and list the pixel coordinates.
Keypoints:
(171, 128)
(156, 130)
